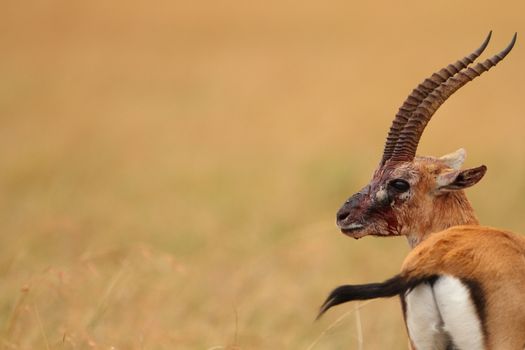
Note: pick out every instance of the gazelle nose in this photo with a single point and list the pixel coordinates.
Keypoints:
(342, 214)
(350, 207)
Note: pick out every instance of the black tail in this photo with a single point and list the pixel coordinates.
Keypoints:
(389, 288)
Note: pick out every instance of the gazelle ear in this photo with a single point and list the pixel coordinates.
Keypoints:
(458, 180)
(455, 159)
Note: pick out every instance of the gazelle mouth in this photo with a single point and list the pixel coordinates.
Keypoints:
(349, 229)
(354, 230)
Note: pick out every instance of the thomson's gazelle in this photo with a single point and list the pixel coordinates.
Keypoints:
(463, 285)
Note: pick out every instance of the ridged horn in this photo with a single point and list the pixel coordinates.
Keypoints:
(407, 142)
(421, 92)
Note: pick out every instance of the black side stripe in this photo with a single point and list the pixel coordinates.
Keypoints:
(478, 297)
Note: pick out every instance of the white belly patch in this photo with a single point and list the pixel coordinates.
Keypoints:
(442, 313)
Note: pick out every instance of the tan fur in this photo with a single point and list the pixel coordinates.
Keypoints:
(493, 258)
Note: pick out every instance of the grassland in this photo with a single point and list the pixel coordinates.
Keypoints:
(170, 172)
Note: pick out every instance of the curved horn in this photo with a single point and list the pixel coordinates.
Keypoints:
(406, 145)
(421, 92)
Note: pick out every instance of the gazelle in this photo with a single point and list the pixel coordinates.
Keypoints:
(462, 286)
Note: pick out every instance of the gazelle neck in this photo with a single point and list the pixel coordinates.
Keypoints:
(450, 209)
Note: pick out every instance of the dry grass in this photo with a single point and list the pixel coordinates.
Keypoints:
(169, 171)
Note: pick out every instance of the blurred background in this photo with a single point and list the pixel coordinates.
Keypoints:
(170, 171)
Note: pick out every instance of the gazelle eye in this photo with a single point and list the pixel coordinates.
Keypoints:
(399, 185)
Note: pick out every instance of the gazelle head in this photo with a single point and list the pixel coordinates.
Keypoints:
(413, 195)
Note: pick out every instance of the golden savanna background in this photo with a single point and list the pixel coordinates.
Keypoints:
(170, 170)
